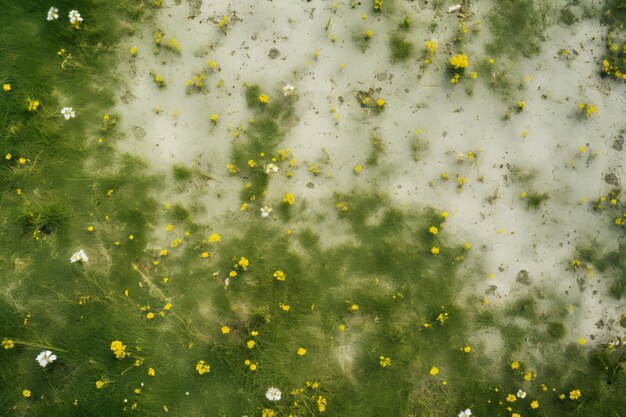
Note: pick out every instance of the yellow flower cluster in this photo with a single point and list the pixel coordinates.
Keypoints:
(264, 99)
(280, 275)
(288, 199)
(203, 368)
(459, 61)
(384, 362)
(7, 344)
(119, 349)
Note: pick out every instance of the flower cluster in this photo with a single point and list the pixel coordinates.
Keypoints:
(119, 349)
(202, 367)
(79, 256)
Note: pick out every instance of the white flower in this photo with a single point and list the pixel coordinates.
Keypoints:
(273, 394)
(288, 89)
(227, 282)
(270, 168)
(75, 17)
(79, 256)
(68, 113)
(46, 357)
(265, 211)
(521, 394)
(53, 14)
(466, 413)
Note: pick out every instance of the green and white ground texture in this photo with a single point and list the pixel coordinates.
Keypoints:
(378, 208)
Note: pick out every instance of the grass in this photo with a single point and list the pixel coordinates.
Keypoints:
(516, 28)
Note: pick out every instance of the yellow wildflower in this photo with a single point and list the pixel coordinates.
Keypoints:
(214, 238)
(203, 368)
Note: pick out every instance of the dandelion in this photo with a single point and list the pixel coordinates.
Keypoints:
(214, 238)
(466, 413)
(250, 344)
(225, 329)
(574, 394)
(288, 199)
(79, 256)
(243, 262)
(459, 61)
(6, 87)
(7, 344)
(68, 113)
(288, 89)
(119, 349)
(265, 211)
(514, 365)
(433, 230)
(46, 357)
(26, 393)
(53, 14)
(280, 275)
(203, 368)
(467, 349)
(434, 250)
(434, 371)
(273, 394)
(301, 351)
(534, 404)
(75, 18)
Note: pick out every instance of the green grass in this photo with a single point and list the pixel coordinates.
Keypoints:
(516, 28)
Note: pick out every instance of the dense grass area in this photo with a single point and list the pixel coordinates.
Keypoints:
(372, 326)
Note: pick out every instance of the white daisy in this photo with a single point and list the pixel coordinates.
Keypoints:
(288, 89)
(273, 394)
(270, 168)
(521, 394)
(53, 14)
(68, 113)
(466, 413)
(265, 211)
(79, 256)
(75, 17)
(46, 357)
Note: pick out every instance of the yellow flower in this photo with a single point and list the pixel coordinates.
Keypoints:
(529, 375)
(384, 362)
(523, 194)
(514, 365)
(431, 46)
(459, 61)
(254, 333)
(358, 169)
(434, 250)
(288, 199)
(434, 371)
(380, 102)
(100, 384)
(167, 306)
(151, 372)
(267, 412)
(301, 351)
(253, 367)
(474, 74)
(582, 340)
(150, 315)
(26, 393)
(250, 344)
(119, 349)
(369, 34)
(214, 117)
(33, 104)
(284, 307)
(354, 307)
(574, 394)
(203, 368)
(534, 405)
(7, 344)
(204, 255)
(467, 349)
(6, 87)
(243, 262)
(214, 238)
(511, 398)
(163, 252)
(133, 51)
(225, 329)
(280, 275)
(321, 403)
(264, 98)
(433, 230)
